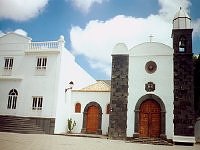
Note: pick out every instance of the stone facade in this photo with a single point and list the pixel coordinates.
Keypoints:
(183, 95)
(47, 124)
(119, 97)
(31, 125)
(183, 84)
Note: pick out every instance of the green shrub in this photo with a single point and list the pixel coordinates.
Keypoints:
(70, 124)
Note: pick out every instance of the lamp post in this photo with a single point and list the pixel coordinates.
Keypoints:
(71, 84)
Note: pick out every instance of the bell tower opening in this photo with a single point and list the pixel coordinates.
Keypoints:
(182, 44)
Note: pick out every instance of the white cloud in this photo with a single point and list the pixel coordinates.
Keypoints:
(21, 10)
(98, 38)
(170, 7)
(104, 67)
(85, 5)
(196, 27)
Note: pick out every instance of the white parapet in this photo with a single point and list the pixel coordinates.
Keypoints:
(43, 45)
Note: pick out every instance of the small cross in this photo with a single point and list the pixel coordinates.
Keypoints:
(150, 38)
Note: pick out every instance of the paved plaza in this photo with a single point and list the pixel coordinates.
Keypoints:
(14, 141)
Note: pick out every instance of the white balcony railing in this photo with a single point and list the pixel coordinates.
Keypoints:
(52, 46)
(44, 45)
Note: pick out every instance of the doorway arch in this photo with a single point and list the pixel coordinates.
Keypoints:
(149, 119)
(162, 114)
(92, 118)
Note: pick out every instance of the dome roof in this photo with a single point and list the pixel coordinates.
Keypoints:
(151, 49)
(181, 14)
(120, 49)
(181, 20)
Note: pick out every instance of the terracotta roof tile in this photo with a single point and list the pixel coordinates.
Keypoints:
(99, 86)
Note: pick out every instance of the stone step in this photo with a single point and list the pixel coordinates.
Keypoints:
(154, 141)
(22, 131)
(21, 127)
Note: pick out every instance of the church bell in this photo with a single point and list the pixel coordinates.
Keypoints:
(182, 43)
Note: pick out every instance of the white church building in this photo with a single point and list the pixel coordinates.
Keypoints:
(152, 93)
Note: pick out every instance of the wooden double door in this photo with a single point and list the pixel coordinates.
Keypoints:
(92, 123)
(150, 119)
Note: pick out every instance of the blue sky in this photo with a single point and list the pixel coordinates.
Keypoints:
(92, 27)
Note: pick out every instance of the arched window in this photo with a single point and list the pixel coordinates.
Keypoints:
(77, 108)
(108, 109)
(12, 99)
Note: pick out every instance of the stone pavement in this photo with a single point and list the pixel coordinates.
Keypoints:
(15, 141)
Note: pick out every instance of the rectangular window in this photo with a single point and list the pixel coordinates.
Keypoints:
(41, 63)
(37, 103)
(8, 63)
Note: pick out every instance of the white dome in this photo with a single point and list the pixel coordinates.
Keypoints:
(181, 20)
(151, 49)
(120, 49)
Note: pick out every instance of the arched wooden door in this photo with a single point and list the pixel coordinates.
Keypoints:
(150, 119)
(92, 119)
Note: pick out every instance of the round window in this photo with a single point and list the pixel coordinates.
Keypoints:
(150, 67)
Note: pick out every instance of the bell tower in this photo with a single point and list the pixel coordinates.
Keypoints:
(183, 78)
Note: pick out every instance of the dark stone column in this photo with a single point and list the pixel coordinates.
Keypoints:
(183, 83)
(83, 130)
(119, 97)
(183, 95)
(136, 126)
(163, 125)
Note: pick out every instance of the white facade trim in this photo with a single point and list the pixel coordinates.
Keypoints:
(11, 78)
(184, 139)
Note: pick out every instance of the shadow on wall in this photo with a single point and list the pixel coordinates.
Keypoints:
(197, 130)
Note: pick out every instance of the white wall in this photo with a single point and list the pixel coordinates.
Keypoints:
(102, 98)
(31, 82)
(5, 87)
(11, 47)
(69, 71)
(162, 78)
(63, 99)
(14, 42)
(41, 83)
